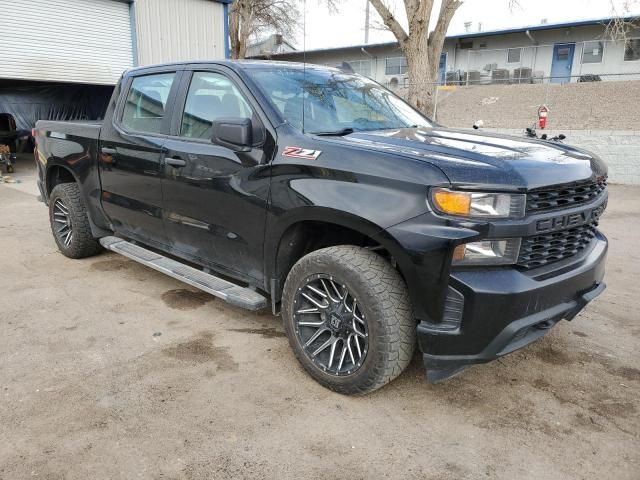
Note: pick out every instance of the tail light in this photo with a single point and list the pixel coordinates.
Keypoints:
(33, 132)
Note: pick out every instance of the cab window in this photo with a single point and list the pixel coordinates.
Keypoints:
(211, 97)
(146, 104)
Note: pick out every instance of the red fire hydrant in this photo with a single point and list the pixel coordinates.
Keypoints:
(543, 113)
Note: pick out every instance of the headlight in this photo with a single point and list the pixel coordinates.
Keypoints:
(487, 252)
(478, 204)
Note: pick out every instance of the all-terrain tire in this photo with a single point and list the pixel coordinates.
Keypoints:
(383, 299)
(81, 243)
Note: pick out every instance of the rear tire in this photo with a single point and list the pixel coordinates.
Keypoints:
(70, 222)
(360, 304)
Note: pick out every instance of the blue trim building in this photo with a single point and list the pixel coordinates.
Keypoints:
(559, 53)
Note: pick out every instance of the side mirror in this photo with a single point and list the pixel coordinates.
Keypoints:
(233, 133)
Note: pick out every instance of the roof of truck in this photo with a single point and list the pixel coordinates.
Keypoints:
(233, 64)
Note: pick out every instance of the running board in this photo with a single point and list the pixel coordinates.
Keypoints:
(227, 291)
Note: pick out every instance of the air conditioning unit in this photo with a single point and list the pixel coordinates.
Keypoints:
(473, 77)
(522, 75)
(500, 75)
(537, 76)
(453, 78)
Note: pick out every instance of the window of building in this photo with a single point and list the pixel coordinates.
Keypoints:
(563, 53)
(592, 52)
(211, 96)
(513, 55)
(363, 67)
(145, 107)
(632, 50)
(396, 66)
(466, 45)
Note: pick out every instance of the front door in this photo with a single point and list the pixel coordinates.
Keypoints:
(562, 62)
(130, 157)
(215, 197)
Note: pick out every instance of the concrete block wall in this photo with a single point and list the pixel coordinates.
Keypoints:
(620, 149)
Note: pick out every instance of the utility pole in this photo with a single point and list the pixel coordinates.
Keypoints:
(366, 23)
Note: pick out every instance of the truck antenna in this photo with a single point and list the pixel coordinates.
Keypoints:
(304, 56)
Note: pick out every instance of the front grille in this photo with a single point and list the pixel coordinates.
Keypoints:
(539, 250)
(565, 196)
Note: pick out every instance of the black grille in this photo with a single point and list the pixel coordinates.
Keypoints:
(565, 196)
(539, 250)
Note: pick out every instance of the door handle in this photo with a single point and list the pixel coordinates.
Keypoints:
(175, 162)
(109, 151)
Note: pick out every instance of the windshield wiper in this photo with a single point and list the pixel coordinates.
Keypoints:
(336, 133)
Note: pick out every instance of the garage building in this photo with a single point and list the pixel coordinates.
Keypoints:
(61, 58)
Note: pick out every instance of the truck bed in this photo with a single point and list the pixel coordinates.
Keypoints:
(86, 129)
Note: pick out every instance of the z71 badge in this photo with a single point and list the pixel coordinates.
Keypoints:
(298, 152)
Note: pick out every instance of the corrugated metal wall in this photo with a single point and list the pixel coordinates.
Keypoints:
(84, 41)
(174, 30)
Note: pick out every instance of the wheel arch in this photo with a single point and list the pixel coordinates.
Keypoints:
(316, 228)
(56, 174)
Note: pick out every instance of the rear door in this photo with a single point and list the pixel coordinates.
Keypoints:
(215, 197)
(131, 147)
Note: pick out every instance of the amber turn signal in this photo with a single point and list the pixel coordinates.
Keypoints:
(454, 203)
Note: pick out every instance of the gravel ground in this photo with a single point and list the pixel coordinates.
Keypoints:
(110, 370)
(574, 106)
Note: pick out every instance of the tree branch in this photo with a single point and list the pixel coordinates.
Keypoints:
(436, 37)
(621, 24)
(390, 21)
(411, 6)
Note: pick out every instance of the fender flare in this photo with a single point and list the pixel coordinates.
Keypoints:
(58, 163)
(97, 230)
(278, 228)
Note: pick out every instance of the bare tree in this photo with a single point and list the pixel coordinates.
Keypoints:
(249, 18)
(622, 22)
(421, 47)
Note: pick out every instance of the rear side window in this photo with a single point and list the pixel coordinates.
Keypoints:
(145, 108)
(211, 96)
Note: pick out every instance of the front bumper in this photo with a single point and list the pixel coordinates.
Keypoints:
(506, 309)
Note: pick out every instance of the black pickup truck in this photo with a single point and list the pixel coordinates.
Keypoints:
(368, 226)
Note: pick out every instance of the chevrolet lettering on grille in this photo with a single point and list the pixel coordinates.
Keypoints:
(567, 221)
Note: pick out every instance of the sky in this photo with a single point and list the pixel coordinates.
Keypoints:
(324, 30)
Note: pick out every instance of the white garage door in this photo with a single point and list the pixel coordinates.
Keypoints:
(84, 41)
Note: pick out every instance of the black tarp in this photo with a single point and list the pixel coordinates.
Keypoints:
(29, 102)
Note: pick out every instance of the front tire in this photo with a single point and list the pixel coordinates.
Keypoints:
(70, 222)
(348, 318)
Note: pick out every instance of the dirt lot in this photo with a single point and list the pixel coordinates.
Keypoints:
(516, 106)
(111, 370)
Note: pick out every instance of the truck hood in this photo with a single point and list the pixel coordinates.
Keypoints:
(484, 160)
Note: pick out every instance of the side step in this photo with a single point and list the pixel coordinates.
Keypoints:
(227, 291)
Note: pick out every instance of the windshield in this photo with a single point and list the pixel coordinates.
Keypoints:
(325, 101)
